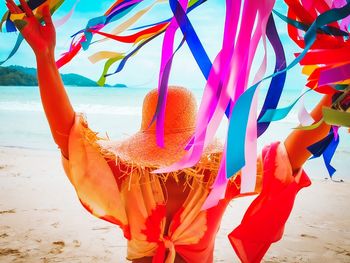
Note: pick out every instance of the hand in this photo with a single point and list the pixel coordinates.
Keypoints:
(41, 38)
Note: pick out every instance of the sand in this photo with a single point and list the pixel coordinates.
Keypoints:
(41, 220)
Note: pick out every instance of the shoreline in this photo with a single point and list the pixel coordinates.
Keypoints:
(41, 219)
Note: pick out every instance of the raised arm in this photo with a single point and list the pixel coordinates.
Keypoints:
(42, 39)
(298, 141)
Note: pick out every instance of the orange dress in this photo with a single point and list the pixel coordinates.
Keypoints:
(132, 197)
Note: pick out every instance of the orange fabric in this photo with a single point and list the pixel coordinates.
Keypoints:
(133, 199)
(263, 222)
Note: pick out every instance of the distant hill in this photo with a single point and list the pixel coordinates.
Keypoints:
(22, 76)
(12, 77)
(77, 80)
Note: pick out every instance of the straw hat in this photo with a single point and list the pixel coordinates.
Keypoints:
(180, 119)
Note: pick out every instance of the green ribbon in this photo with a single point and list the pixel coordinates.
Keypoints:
(310, 127)
(336, 117)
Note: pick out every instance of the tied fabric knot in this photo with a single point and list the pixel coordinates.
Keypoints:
(165, 243)
(168, 243)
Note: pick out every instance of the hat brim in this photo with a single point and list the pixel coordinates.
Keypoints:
(141, 148)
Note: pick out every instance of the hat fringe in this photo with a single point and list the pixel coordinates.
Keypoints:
(204, 172)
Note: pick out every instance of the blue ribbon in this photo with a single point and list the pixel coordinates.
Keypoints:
(121, 13)
(168, 20)
(10, 26)
(192, 39)
(280, 113)
(328, 155)
(14, 49)
(325, 147)
(103, 20)
(325, 29)
(126, 58)
(277, 82)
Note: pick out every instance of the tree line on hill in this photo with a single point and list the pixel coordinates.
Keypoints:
(22, 76)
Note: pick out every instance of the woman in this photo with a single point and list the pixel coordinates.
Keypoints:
(161, 215)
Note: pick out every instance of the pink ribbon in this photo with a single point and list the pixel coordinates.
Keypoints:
(167, 53)
(64, 19)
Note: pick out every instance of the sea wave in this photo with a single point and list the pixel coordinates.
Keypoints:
(31, 106)
(104, 109)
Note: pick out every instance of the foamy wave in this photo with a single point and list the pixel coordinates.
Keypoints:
(31, 106)
(89, 108)
(20, 106)
(108, 109)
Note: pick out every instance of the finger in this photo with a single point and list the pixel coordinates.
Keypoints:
(47, 15)
(11, 9)
(26, 8)
(14, 8)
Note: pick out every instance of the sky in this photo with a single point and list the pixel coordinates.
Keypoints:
(142, 70)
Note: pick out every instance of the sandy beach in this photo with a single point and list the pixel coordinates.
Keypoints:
(41, 220)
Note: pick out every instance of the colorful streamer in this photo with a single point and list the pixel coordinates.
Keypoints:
(117, 11)
(326, 62)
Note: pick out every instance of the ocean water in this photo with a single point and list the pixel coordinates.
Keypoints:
(117, 113)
